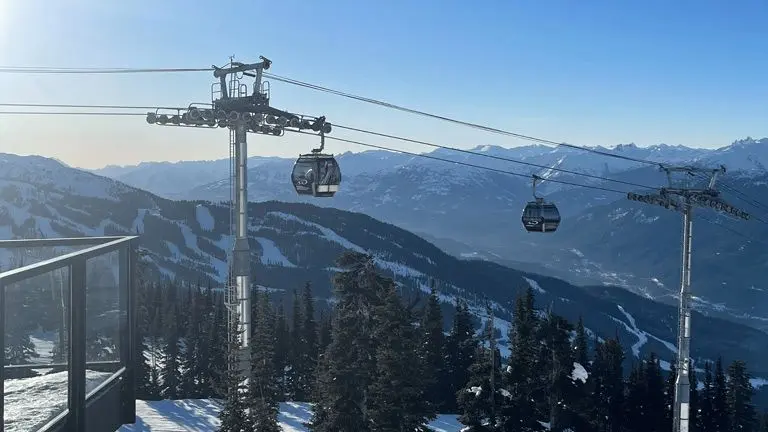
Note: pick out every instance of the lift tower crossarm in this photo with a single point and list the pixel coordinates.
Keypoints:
(683, 199)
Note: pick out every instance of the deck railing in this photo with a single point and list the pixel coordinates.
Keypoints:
(72, 316)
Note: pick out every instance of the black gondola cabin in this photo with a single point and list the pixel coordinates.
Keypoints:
(541, 216)
(318, 175)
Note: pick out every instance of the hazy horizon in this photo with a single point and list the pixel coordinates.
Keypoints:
(129, 164)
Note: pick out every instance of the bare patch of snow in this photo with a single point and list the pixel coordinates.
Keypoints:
(535, 285)
(204, 218)
(271, 254)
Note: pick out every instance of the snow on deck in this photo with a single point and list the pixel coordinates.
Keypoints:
(201, 415)
(30, 403)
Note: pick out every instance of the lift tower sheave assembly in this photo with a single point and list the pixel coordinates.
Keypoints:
(233, 108)
(683, 199)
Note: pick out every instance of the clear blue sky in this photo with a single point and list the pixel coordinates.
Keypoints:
(692, 72)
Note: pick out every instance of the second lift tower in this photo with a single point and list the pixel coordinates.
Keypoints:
(683, 198)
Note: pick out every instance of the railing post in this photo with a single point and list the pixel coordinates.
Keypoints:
(127, 301)
(76, 355)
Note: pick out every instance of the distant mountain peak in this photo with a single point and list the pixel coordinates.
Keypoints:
(748, 141)
(629, 146)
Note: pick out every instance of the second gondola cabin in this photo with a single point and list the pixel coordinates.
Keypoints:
(316, 174)
(541, 216)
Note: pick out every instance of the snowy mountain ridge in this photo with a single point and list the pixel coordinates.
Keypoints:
(464, 210)
(292, 243)
(181, 177)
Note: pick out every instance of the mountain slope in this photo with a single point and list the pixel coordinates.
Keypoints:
(729, 256)
(481, 210)
(292, 243)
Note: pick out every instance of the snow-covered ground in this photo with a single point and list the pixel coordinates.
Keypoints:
(201, 415)
(30, 403)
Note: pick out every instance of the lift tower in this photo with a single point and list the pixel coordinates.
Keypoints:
(683, 198)
(233, 108)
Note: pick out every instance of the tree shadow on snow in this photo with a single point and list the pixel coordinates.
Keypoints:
(178, 415)
(295, 414)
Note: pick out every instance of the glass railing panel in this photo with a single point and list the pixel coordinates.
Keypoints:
(35, 350)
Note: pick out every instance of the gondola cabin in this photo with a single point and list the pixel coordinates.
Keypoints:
(316, 174)
(541, 216)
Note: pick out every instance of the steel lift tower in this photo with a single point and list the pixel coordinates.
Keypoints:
(233, 108)
(683, 199)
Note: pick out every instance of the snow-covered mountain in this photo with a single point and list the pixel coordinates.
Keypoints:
(749, 154)
(174, 179)
(473, 212)
(292, 243)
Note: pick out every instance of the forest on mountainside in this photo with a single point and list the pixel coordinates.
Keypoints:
(380, 362)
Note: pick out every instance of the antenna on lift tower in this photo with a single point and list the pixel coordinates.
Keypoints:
(683, 199)
(233, 108)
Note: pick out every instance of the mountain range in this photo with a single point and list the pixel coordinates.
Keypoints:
(471, 212)
(295, 242)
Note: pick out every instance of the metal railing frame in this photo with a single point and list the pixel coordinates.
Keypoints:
(123, 380)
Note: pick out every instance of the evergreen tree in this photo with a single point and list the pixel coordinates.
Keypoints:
(764, 423)
(348, 364)
(204, 351)
(636, 410)
(191, 361)
(218, 341)
(155, 310)
(580, 345)
(742, 414)
(397, 400)
(669, 395)
(432, 352)
(705, 419)
(695, 398)
(98, 347)
(154, 383)
(308, 358)
(324, 340)
(146, 387)
(170, 373)
(522, 376)
(282, 349)
(720, 399)
(555, 360)
(608, 394)
(325, 333)
(295, 373)
(655, 418)
(233, 414)
(480, 401)
(461, 348)
(581, 405)
(19, 348)
(263, 392)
